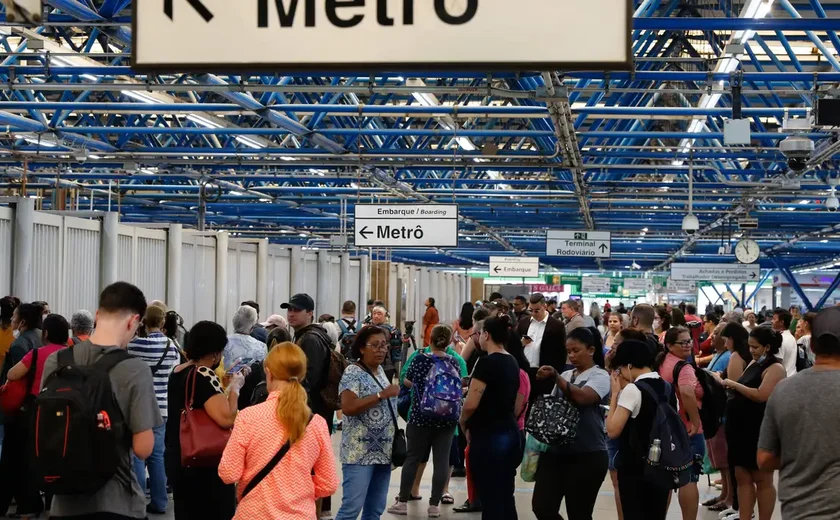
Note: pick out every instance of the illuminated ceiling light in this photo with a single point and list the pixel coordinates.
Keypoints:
(791, 209)
(250, 143)
(36, 141)
(141, 96)
(238, 193)
(645, 230)
(354, 185)
(823, 241)
(466, 144)
(803, 202)
(202, 121)
(94, 156)
(302, 235)
(266, 200)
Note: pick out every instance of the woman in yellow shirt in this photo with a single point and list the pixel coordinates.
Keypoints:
(7, 335)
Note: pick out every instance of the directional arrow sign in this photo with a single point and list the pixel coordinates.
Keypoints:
(595, 284)
(514, 266)
(715, 272)
(582, 244)
(196, 4)
(406, 225)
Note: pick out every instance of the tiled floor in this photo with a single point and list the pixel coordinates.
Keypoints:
(604, 508)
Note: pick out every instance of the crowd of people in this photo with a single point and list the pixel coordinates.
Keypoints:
(239, 425)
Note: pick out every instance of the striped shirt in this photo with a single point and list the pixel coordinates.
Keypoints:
(150, 350)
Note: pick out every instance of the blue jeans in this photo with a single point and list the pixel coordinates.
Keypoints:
(365, 487)
(157, 471)
(698, 449)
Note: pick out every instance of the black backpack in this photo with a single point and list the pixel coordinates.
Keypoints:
(675, 466)
(714, 398)
(80, 433)
(347, 337)
(803, 362)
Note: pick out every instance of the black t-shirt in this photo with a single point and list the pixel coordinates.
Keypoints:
(500, 372)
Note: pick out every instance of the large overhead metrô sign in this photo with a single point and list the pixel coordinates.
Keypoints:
(580, 243)
(406, 225)
(514, 266)
(716, 272)
(353, 34)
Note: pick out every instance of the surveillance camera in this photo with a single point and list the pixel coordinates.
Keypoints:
(798, 150)
(832, 204)
(690, 224)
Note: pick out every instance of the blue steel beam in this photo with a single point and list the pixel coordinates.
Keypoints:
(831, 288)
(761, 282)
(703, 290)
(734, 295)
(690, 23)
(792, 281)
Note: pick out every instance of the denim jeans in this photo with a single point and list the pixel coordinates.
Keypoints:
(365, 488)
(157, 471)
(494, 457)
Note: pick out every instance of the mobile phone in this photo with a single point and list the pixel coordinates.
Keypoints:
(528, 338)
(239, 365)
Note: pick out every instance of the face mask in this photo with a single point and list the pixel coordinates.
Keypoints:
(16, 334)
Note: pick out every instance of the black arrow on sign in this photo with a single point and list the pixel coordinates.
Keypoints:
(364, 232)
(496, 269)
(196, 4)
(752, 275)
(604, 248)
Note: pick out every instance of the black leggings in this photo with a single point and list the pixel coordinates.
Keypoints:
(641, 500)
(15, 471)
(575, 477)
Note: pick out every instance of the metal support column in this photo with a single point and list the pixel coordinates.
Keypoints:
(344, 289)
(364, 282)
(296, 271)
(325, 285)
(263, 263)
(222, 240)
(761, 282)
(734, 295)
(22, 243)
(793, 283)
(109, 261)
(720, 296)
(831, 288)
(174, 263)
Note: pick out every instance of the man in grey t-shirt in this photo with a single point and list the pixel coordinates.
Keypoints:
(120, 308)
(799, 432)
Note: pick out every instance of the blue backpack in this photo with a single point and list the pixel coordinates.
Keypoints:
(676, 462)
(442, 390)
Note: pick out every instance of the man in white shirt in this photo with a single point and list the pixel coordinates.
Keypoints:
(781, 323)
(544, 343)
(536, 331)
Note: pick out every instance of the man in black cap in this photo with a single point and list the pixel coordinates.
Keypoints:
(799, 432)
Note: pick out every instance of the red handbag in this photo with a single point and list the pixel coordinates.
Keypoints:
(202, 440)
(14, 393)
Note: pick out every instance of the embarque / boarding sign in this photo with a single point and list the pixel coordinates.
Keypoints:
(406, 225)
(514, 266)
(582, 243)
(380, 34)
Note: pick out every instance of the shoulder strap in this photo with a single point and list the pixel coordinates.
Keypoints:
(269, 467)
(646, 388)
(65, 358)
(677, 369)
(387, 401)
(33, 368)
(162, 357)
(110, 359)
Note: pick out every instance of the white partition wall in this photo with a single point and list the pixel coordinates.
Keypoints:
(142, 260)
(357, 292)
(241, 278)
(309, 273)
(198, 278)
(6, 216)
(279, 286)
(80, 269)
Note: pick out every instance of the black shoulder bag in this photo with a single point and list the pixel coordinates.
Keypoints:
(284, 449)
(162, 358)
(399, 448)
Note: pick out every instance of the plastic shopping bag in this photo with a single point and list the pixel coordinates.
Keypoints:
(531, 459)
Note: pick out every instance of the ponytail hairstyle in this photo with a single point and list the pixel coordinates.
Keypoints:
(441, 337)
(287, 362)
(591, 338)
(768, 338)
(498, 329)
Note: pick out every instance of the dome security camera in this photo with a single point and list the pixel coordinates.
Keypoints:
(690, 224)
(832, 204)
(798, 150)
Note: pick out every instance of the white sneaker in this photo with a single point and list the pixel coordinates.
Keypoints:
(736, 516)
(399, 508)
(434, 512)
(726, 513)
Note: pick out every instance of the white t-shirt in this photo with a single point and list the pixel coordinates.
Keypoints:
(789, 353)
(536, 331)
(631, 397)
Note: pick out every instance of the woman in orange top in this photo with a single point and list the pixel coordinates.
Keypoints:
(430, 319)
(463, 327)
(7, 335)
(307, 472)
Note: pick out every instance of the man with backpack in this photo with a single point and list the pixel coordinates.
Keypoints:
(379, 318)
(348, 327)
(96, 407)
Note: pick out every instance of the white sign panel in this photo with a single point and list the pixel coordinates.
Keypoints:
(638, 285)
(716, 272)
(514, 266)
(681, 286)
(330, 34)
(585, 244)
(406, 225)
(594, 284)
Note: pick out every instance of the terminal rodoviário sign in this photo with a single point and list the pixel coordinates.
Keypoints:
(406, 225)
(582, 243)
(329, 34)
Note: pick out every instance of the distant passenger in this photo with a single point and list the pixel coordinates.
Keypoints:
(588, 321)
(520, 308)
(241, 345)
(274, 321)
(803, 335)
(316, 344)
(8, 305)
(379, 318)
(801, 441)
(259, 332)
(572, 316)
(430, 319)
(162, 356)
(551, 306)
(796, 315)
(121, 306)
(781, 323)
(81, 326)
(642, 320)
(347, 322)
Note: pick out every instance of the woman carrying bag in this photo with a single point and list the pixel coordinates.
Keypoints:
(280, 454)
(196, 437)
(371, 443)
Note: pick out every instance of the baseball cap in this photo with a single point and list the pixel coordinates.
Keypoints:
(275, 320)
(300, 302)
(827, 323)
